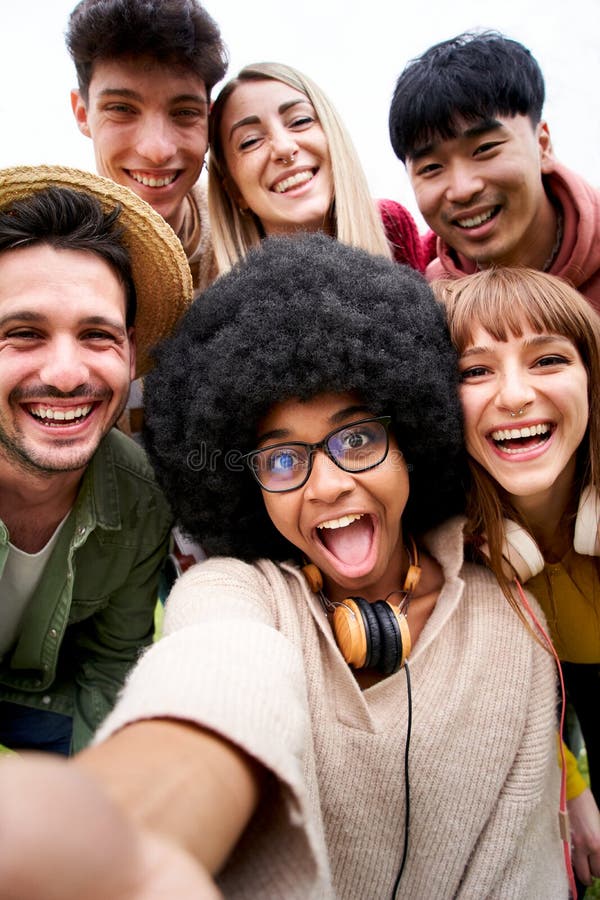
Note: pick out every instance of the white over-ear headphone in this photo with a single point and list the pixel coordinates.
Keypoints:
(587, 539)
(522, 552)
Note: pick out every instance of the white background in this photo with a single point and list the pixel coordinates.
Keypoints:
(354, 49)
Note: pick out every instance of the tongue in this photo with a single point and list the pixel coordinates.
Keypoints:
(525, 443)
(350, 544)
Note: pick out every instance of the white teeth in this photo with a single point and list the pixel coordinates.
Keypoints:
(149, 181)
(299, 178)
(507, 434)
(520, 449)
(475, 220)
(60, 415)
(342, 522)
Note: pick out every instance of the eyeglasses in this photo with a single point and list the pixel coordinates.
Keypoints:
(354, 448)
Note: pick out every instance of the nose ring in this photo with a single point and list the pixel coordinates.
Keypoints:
(288, 160)
(519, 412)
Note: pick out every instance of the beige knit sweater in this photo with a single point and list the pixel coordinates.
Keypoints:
(249, 654)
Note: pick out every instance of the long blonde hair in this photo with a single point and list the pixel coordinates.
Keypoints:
(355, 218)
(501, 301)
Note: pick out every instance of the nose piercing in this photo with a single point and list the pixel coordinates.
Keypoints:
(288, 160)
(519, 412)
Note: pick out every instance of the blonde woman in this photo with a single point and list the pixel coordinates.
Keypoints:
(281, 161)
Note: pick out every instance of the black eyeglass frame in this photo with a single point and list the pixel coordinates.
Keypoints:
(311, 449)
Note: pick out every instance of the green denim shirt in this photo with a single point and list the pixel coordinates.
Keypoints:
(93, 611)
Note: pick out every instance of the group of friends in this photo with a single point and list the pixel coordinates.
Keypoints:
(386, 444)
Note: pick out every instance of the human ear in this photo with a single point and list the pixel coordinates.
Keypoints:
(132, 352)
(546, 150)
(80, 112)
(232, 191)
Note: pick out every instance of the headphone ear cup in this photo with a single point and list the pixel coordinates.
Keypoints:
(521, 551)
(389, 659)
(349, 628)
(373, 633)
(395, 637)
(587, 540)
(358, 633)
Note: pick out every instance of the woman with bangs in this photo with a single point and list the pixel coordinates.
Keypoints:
(529, 348)
(282, 162)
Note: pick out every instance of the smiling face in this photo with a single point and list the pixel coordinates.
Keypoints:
(543, 381)
(482, 191)
(348, 524)
(66, 358)
(277, 156)
(149, 125)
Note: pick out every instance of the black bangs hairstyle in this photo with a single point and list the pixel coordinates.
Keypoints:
(300, 317)
(67, 219)
(178, 33)
(469, 78)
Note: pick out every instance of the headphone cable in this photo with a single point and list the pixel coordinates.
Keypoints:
(562, 806)
(406, 783)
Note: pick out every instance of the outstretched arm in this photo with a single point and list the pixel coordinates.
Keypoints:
(181, 781)
(62, 838)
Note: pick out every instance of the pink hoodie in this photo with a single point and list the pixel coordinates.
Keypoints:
(578, 260)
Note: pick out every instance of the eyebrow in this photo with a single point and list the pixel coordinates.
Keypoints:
(104, 320)
(482, 126)
(338, 418)
(540, 340)
(128, 94)
(253, 120)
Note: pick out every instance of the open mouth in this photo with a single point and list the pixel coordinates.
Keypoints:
(348, 538)
(154, 181)
(476, 221)
(57, 416)
(294, 181)
(522, 440)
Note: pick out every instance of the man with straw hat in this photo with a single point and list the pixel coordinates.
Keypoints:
(90, 279)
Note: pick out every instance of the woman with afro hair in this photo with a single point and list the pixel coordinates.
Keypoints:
(340, 707)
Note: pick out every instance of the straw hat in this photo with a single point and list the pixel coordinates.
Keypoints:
(161, 273)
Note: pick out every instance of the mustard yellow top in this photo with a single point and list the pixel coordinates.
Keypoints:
(569, 594)
(576, 783)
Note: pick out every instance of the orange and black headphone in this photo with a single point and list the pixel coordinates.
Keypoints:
(372, 635)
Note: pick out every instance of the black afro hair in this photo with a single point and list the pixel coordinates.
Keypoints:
(296, 318)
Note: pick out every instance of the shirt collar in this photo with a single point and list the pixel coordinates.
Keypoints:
(98, 499)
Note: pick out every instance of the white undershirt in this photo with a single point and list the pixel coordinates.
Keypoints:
(18, 582)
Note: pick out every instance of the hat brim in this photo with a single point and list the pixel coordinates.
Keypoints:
(161, 272)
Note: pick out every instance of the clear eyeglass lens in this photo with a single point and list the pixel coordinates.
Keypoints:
(360, 446)
(281, 468)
